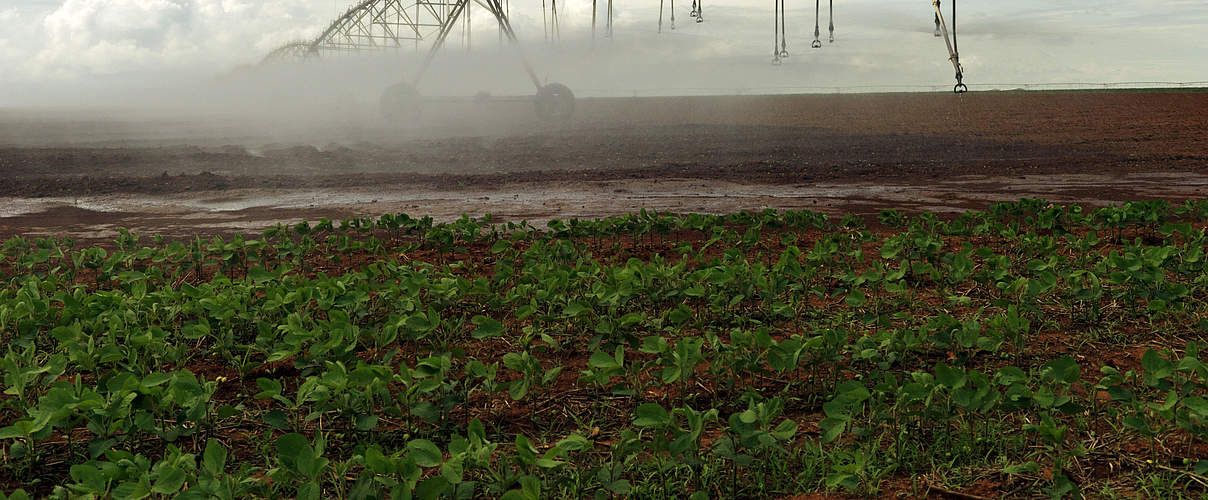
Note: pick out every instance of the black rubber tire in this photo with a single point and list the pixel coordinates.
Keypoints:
(555, 102)
(401, 102)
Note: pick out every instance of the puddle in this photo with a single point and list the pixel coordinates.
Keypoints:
(252, 210)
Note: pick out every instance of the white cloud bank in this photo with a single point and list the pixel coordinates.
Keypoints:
(90, 38)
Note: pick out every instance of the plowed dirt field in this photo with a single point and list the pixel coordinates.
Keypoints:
(835, 153)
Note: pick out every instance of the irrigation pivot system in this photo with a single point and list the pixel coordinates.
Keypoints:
(428, 25)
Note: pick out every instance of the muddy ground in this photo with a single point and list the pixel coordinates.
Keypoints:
(65, 175)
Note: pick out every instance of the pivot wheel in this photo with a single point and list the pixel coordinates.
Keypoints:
(400, 102)
(555, 102)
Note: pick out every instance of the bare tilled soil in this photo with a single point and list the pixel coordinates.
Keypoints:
(837, 153)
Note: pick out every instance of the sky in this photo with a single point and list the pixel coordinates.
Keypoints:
(73, 51)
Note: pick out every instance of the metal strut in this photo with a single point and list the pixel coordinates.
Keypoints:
(953, 55)
(496, 9)
(784, 50)
(609, 20)
(661, 2)
(776, 33)
(779, 47)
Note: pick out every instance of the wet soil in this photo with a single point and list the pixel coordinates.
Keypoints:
(835, 153)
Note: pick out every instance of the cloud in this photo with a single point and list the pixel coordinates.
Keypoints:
(100, 37)
(145, 24)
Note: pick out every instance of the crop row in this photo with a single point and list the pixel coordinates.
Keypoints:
(652, 355)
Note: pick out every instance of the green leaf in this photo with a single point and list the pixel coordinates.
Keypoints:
(525, 449)
(852, 391)
(260, 275)
(531, 487)
(452, 470)
(1197, 405)
(611, 482)
(195, 330)
(214, 458)
(952, 378)
(500, 246)
(424, 453)
(155, 379)
(832, 427)
(600, 359)
(170, 480)
(517, 389)
(856, 298)
(1064, 369)
(785, 430)
(294, 451)
(630, 320)
(574, 309)
(487, 327)
(99, 446)
(276, 418)
(14, 431)
(1024, 468)
(574, 442)
(378, 462)
(131, 490)
(1138, 424)
(309, 491)
(679, 315)
(426, 411)
(269, 388)
(1156, 367)
(1120, 393)
(366, 422)
(651, 415)
(551, 374)
(848, 481)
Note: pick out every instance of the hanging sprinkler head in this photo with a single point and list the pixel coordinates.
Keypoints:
(831, 22)
(817, 43)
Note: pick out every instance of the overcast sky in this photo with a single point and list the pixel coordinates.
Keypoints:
(53, 50)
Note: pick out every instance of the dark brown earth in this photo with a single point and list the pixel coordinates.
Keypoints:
(834, 153)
